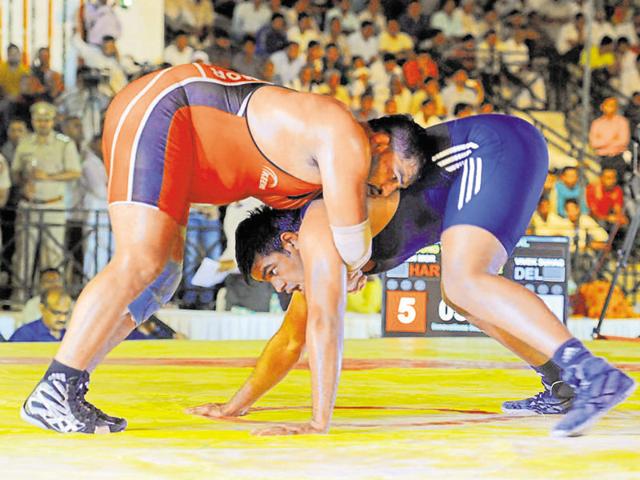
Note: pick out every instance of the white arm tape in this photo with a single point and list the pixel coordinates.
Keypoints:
(353, 244)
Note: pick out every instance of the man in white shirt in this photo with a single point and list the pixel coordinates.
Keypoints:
(364, 43)
(105, 59)
(287, 63)
(178, 52)
(350, 22)
(458, 91)
(248, 17)
(100, 19)
(303, 33)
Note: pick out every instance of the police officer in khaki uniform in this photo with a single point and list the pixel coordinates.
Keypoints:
(44, 164)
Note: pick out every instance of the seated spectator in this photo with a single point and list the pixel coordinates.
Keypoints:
(359, 83)
(315, 57)
(333, 60)
(568, 188)
(417, 69)
(392, 40)
(462, 90)
(55, 310)
(303, 33)
(179, 51)
(333, 88)
(268, 73)
(469, 19)
(390, 107)
(336, 36)
(304, 81)
(401, 94)
(288, 63)
(272, 37)
(364, 42)
(46, 82)
(609, 136)
(366, 111)
(586, 231)
(447, 19)
(248, 17)
(100, 20)
(606, 199)
(220, 50)
(426, 116)
(49, 278)
(381, 72)
(414, 22)
(462, 110)
(350, 22)
(373, 13)
(546, 222)
(12, 72)
(246, 60)
(463, 54)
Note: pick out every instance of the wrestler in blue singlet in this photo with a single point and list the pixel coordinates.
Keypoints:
(485, 170)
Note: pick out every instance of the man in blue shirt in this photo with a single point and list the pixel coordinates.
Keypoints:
(55, 308)
(568, 188)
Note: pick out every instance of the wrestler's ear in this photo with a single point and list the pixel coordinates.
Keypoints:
(289, 241)
(379, 141)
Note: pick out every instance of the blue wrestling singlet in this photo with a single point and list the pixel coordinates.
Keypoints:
(485, 170)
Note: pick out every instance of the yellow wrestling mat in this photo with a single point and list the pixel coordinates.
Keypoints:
(406, 408)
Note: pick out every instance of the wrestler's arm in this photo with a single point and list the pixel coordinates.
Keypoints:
(325, 290)
(343, 156)
(278, 357)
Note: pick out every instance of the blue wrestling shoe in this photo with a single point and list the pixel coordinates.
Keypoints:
(548, 402)
(57, 403)
(599, 387)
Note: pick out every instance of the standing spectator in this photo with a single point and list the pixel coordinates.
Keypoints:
(203, 240)
(43, 164)
(179, 51)
(101, 20)
(105, 59)
(609, 136)
(85, 101)
(248, 17)
(12, 72)
(364, 43)
(447, 19)
(629, 71)
(99, 239)
(568, 188)
(303, 32)
(350, 22)
(489, 62)
(461, 90)
(49, 278)
(392, 40)
(246, 61)
(47, 82)
(288, 63)
(570, 40)
(56, 310)
(16, 131)
(414, 22)
(272, 37)
(606, 199)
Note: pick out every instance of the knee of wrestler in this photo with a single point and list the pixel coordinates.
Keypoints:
(457, 289)
(140, 268)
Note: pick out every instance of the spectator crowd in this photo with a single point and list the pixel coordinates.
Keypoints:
(434, 60)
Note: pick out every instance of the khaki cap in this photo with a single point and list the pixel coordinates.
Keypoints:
(43, 110)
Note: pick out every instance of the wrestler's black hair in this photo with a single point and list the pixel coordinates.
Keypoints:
(407, 137)
(259, 234)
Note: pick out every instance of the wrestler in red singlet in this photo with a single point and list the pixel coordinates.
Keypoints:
(181, 135)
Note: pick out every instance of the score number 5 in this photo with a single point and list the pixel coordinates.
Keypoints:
(406, 310)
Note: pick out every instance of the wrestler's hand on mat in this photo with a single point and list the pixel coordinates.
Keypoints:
(356, 281)
(291, 429)
(216, 410)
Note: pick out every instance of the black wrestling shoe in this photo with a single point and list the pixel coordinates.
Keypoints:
(115, 422)
(57, 403)
(547, 402)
